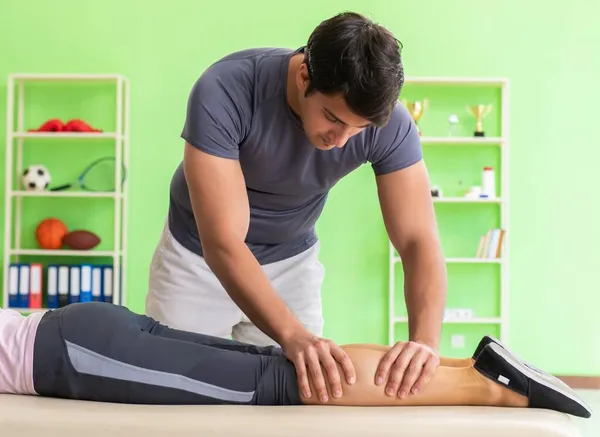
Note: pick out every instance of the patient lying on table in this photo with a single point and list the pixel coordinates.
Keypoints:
(104, 352)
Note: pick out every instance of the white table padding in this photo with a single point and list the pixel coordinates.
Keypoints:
(29, 416)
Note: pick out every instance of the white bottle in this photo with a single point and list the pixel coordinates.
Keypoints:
(488, 183)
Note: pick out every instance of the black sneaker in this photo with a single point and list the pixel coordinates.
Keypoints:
(487, 339)
(541, 389)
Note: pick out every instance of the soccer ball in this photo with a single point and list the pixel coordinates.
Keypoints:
(35, 178)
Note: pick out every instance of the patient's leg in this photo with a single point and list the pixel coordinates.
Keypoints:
(456, 362)
(158, 329)
(124, 360)
(444, 361)
(449, 386)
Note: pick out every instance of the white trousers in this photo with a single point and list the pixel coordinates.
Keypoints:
(185, 294)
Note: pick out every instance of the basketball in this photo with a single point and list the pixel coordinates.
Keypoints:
(50, 233)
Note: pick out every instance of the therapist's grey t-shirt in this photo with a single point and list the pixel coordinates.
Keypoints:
(237, 109)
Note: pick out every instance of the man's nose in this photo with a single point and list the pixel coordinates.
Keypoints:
(341, 137)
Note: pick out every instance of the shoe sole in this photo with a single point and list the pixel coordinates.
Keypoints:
(495, 341)
(539, 378)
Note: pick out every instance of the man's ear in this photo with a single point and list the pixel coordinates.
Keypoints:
(302, 79)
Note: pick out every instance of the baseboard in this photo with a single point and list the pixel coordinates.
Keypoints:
(585, 382)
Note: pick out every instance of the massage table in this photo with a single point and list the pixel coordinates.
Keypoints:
(29, 416)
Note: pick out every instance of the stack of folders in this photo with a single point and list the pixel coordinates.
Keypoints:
(61, 285)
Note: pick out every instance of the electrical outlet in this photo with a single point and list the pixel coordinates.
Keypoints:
(457, 341)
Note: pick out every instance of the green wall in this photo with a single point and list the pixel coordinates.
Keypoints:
(553, 68)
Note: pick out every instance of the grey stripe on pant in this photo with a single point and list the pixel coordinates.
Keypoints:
(103, 352)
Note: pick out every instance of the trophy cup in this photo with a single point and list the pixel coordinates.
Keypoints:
(416, 110)
(479, 112)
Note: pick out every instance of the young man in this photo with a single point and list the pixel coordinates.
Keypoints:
(131, 358)
(268, 133)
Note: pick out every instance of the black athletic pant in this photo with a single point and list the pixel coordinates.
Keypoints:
(104, 352)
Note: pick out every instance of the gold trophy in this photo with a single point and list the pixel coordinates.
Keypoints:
(479, 112)
(416, 110)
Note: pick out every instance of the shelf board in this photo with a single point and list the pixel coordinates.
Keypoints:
(448, 80)
(64, 252)
(466, 200)
(465, 260)
(473, 321)
(20, 193)
(498, 141)
(66, 76)
(67, 135)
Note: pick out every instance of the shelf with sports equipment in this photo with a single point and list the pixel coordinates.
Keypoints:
(467, 162)
(65, 222)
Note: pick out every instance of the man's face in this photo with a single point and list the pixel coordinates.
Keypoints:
(327, 120)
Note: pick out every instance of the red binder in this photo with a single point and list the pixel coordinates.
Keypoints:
(35, 286)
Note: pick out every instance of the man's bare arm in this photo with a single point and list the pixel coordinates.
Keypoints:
(409, 217)
(220, 205)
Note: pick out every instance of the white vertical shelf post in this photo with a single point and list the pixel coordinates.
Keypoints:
(117, 271)
(125, 191)
(20, 127)
(8, 186)
(505, 150)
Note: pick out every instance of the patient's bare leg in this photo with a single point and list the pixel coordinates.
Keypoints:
(456, 362)
(449, 386)
(444, 361)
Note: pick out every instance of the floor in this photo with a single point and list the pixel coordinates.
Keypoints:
(590, 427)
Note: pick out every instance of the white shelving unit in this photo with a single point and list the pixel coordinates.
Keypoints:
(501, 142)
(16, 139)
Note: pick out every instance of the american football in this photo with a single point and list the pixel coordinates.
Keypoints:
(81, 239)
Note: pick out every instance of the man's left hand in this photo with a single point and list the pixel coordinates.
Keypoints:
(407, 367)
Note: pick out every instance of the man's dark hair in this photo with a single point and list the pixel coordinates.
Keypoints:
(349, 54)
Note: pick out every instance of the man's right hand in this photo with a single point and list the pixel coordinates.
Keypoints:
(312, 354)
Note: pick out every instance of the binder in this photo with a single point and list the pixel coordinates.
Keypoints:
(63, 285)
(74, 284)
(35, 286)
(96, 283)
(85, 283)
(107, 283)
(23, 300)
(13, 285)
(52, 286)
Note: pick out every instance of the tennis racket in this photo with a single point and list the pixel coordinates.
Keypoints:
(97, 176)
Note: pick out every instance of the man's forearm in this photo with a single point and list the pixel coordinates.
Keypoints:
(425, 291)
(244, 280)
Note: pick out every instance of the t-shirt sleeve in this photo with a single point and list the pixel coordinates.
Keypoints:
(219, 110)
(397, 145)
